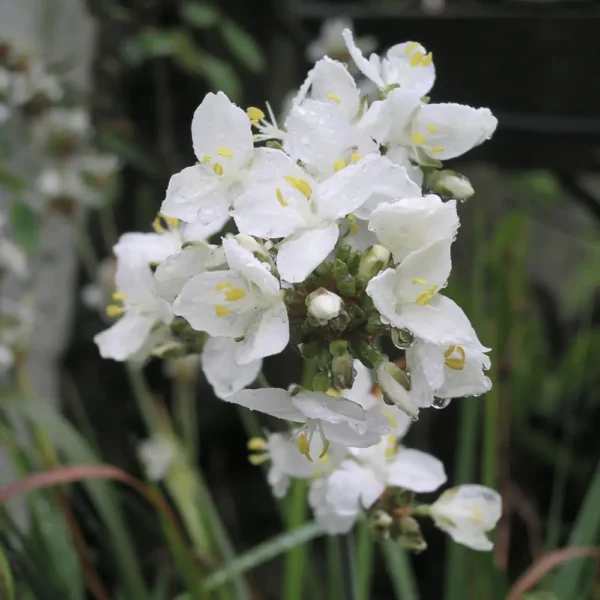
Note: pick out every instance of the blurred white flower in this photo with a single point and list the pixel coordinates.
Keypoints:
(156, 455)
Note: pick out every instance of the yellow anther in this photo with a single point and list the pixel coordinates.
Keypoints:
(257, 459)
(280, 197)
(157, 225)
(333, 392)
(114, 311)
(418, 138)
(206, 158)
(334, 97)
(257, 443)
(218, 168)
(355, 157)
(304, 446)
(254, 113)
(456, 363)
(235, 294)
(416, 58)
(391, 419)
(339, 164)
(354, 228)
(351, 217)
(299, 184)
(119, 296)
(411, 47)
(171, 221)
(253, 122)
(225, 152)
(391, 446)
(426, 60)
(436, 149)
(325, 449)
(425, 298)
(223, 286)
(221, 311)
(419, 281)
(432, 127)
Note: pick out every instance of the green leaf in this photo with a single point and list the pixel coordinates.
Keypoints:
(7, 583)
(25, 225)
(130, 152)
(151, 43)
(569, 580)
(264, 552)
(200, 15)
(243, 46)
(400, 571)
(11, 181)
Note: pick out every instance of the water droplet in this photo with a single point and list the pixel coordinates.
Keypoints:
(440, 403)
(402, 338)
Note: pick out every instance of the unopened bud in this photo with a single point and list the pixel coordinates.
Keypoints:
(368, 354)
(339, 269)
(411, 537)
(451, 185)
(250, 243)
(343, 371)
(324, 305)
(374, 260)
(381, 523)
(395, 386)
(347, 285)
(321, 382)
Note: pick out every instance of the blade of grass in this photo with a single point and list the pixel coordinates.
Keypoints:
(400, 571)
(333, 567)
(295, 562)
(7, 582)
(364, 560)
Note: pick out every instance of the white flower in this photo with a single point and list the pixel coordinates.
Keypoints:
(287, 462)
(224, 374)
(144, 315)
(183, 368)
(449, 371)
(222, 139)
(244, 301)
(406, 65)
(7, 359)
(97, 295)
(334, 419)
(331, 43)
(285, 202)
(64, 124)
(466, 513)
(64, 184)
(324, 305)
(413, 223)
(35, 81)
(359, 481)
(156, 455)
(369, 396)
(407, 297)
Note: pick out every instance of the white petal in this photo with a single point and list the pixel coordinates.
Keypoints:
(413, 223)
(197, 232)
(301, 254)
(457, 128)
(125, 338)
(224, 374)
(399, 156)
(426, 364)
(396, 68)
(330, 81)
(286, 457)
(272, 401)
(317, 405)
(242, 261)
(148, 247)
(197, 195)
(278, 481)
(469, 381)
(349, 435)
(416, 471)
(174, 272)
(369, 69)
(360, 392)
(352, 487)
(199, 299)
(325, 513)
(267, 334)
(218, 124)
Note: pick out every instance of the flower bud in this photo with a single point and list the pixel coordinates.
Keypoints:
(395, 386)
(321, 382)
(250, 243)
(343, 371)
(374, 260)
(411, 537)
(452, 185)
(324, 305)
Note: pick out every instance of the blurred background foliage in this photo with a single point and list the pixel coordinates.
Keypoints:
(527, 273)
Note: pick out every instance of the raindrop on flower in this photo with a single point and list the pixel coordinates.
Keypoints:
(440, 403)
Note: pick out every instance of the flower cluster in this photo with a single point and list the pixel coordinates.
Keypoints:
(345, 220)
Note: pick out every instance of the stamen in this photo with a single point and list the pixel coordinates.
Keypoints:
(419, 281)
(225, 152)
(256, 443)
(223, 286)
(456, 363)
(355, 157)
(206, 158)
(325, 449)
(432, 127)
(416, 58)
(157, 225)
(418, 138)
(299, 184)
(254, 113)
(114, 311)
(257, 459)
(391, 446)
(339, 164)
(221, 311)
(235, 294)
(304, 446)
(425, 298)
(218, 168)
(280, 198)
(334, 97)
(411, 47)
(333, 392)
(354, 228)
(119, 296)
(426, 60)
(436, 149)
(172, 221)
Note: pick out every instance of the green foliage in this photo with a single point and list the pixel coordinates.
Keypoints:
(25, 225)
(200, 15)
(7, 583)
(243, 46)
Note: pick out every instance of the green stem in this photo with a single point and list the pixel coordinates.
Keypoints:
(400, 571)
(144, 398)
(364, 560)
(186, 415)
(295, 561)
(348, 562)
(333, 568)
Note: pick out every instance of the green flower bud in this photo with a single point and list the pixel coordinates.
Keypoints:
(411, 536)
(338, 347)
(450, 184)
(374, 260)
(339, 269)
(310, 350)
(321, 382)
(374, 324)
(395, 386)
(368, 354)
(343, 371)
(347, 286)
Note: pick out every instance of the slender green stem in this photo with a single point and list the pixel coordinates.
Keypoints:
(364, 560)
(348, 562)
(491, 426)
(400, 571)
(295, 562)
(144, 399)
(186, 415)
(333, 568)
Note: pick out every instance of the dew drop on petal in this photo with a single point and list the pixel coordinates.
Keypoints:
(440, 403)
